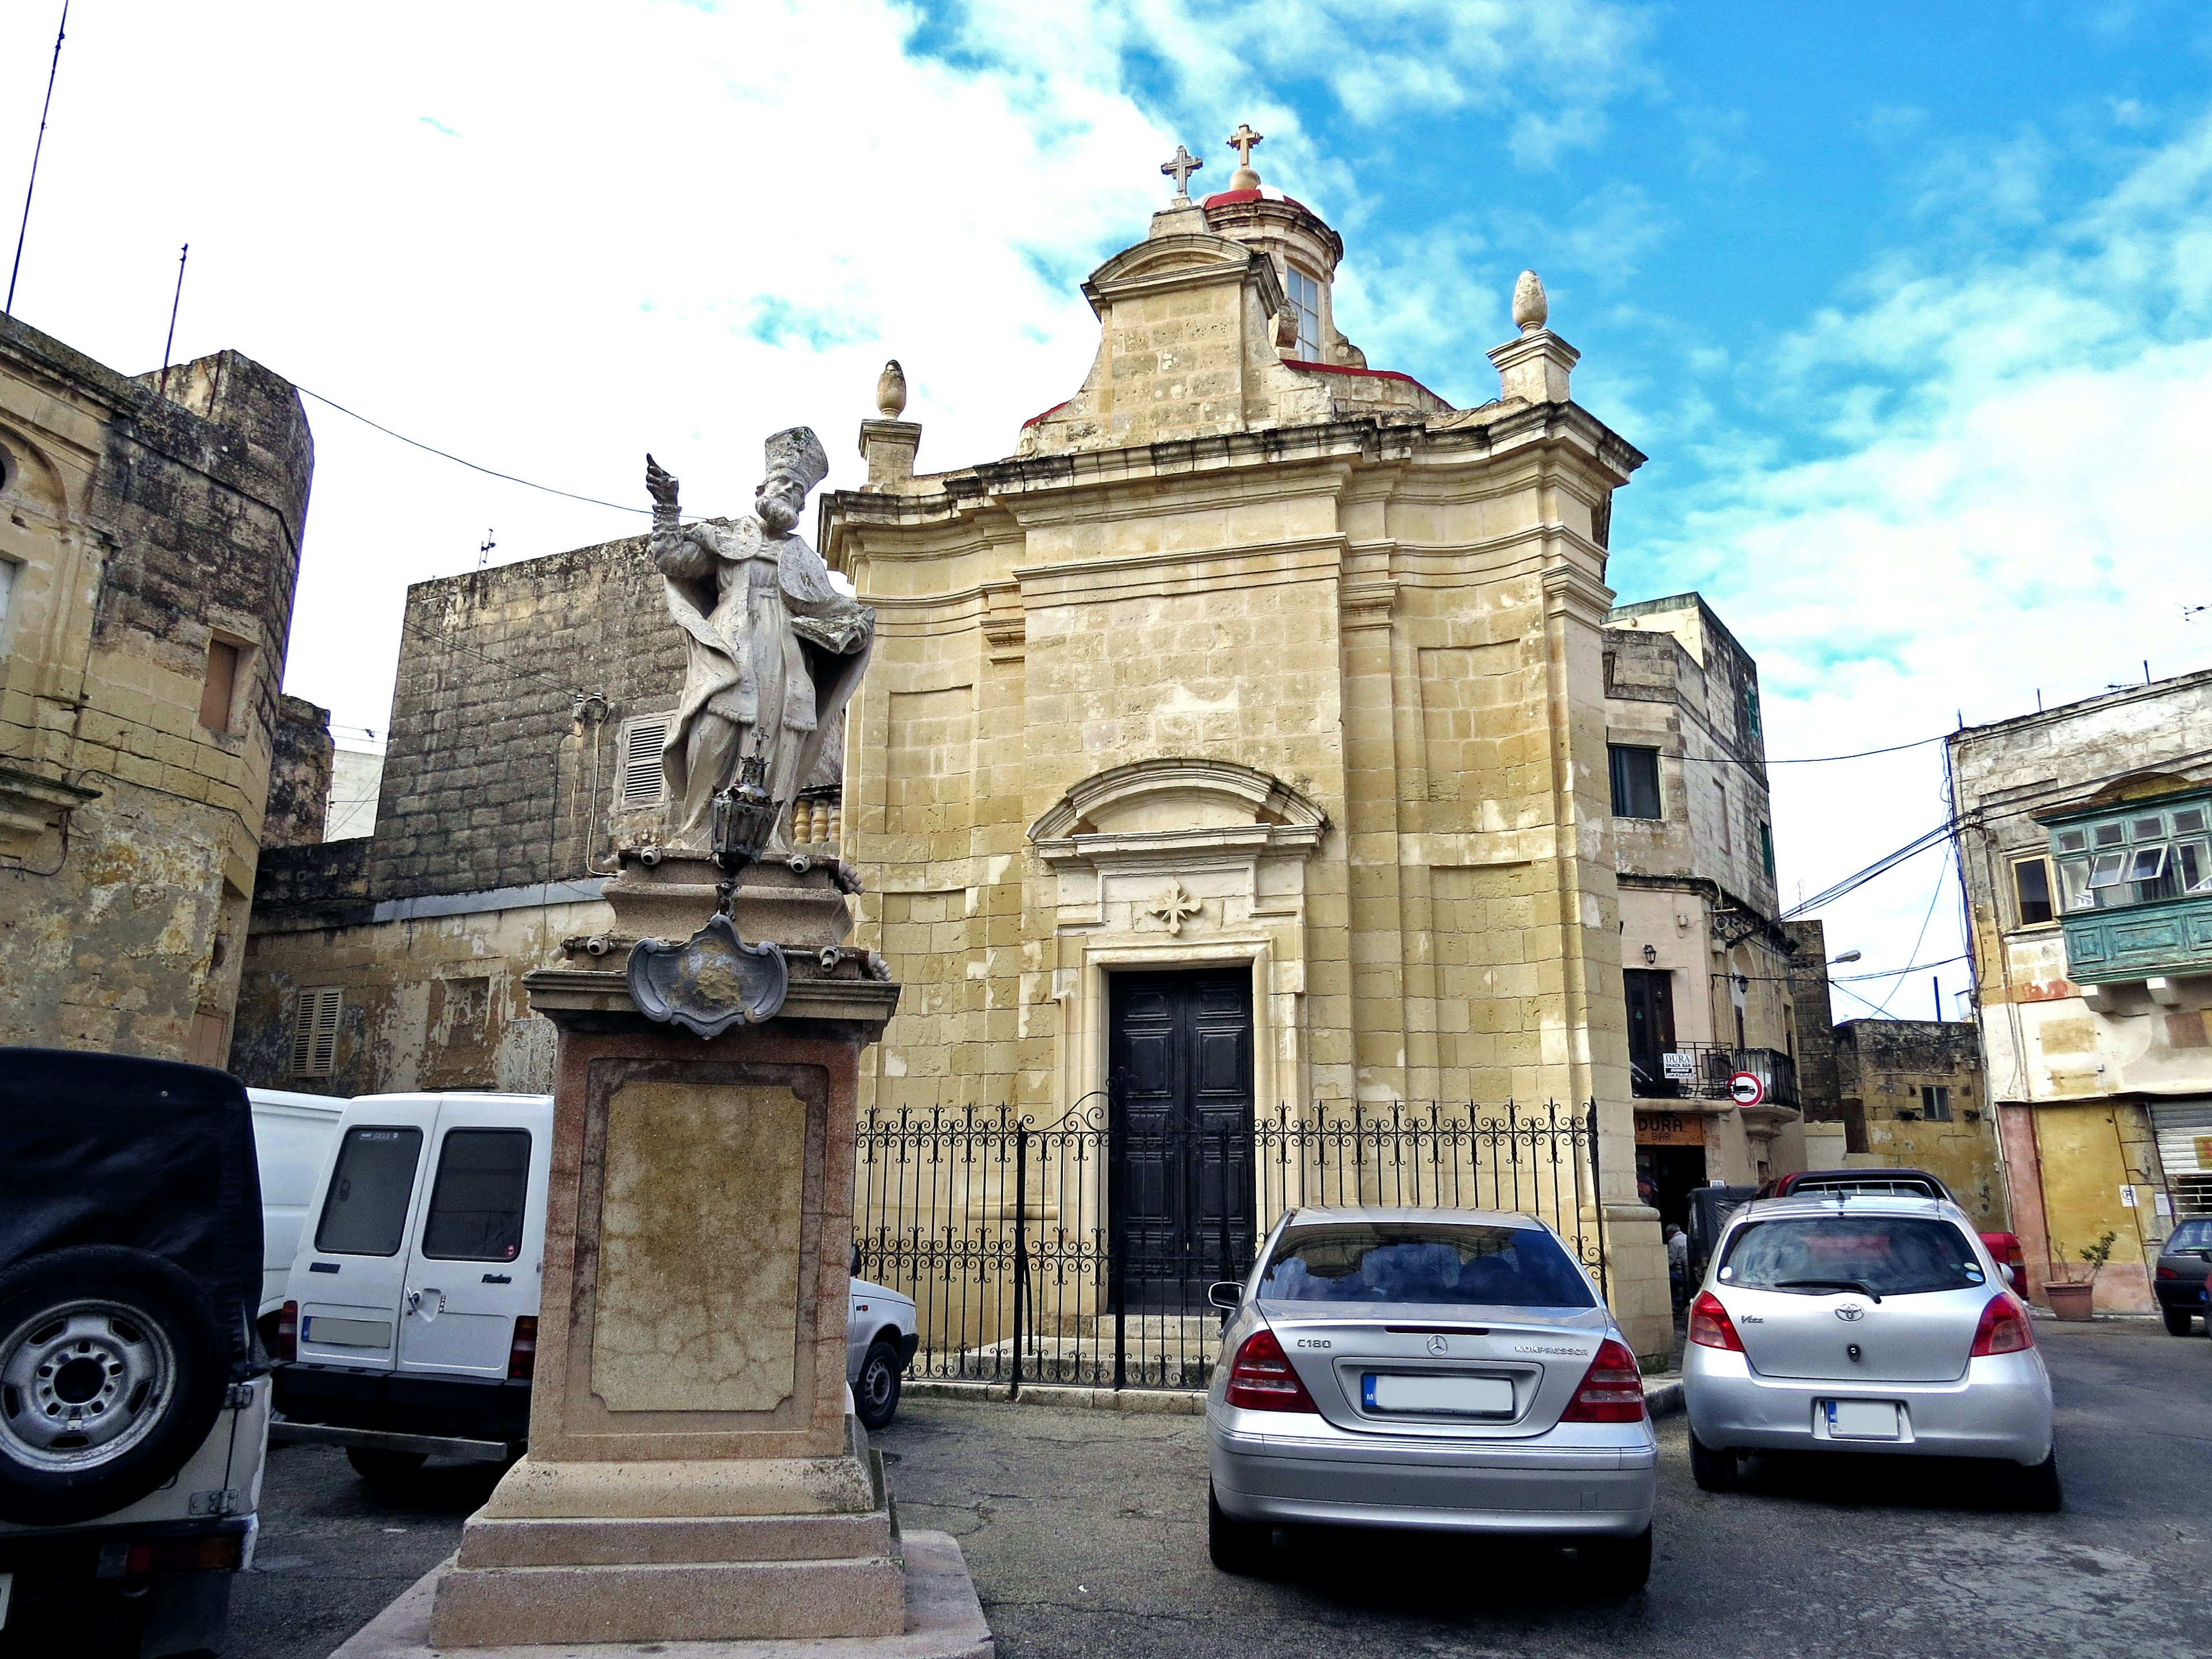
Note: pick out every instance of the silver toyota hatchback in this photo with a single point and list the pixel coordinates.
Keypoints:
(1863, 1323)
(1451, 1369)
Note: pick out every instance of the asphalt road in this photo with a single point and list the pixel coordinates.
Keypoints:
(1085, 1533)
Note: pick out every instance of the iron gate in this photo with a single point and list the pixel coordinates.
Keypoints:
(1013, 1239)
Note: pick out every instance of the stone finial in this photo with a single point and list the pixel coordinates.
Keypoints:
(1242, 141)
(1531, 310)
(1179, 168)
(890, 390)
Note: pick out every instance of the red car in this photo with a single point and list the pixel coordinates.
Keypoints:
(2005, 1247)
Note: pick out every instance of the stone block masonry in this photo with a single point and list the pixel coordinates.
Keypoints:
(152, 545)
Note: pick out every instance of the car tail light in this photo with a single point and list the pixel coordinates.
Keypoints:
(1261, 1378)
(2004, 1328)
(1612, 1390)
(2169, 1272)
(288, 1332)
(1711, 1326)
(522, 1353)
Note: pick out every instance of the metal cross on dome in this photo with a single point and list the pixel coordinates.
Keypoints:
(1180, 168)
(1242, 141)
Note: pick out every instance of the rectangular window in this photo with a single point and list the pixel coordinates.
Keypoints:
(2107, 870)
(641, 781)
(2189, 820)
(1635, 781)
(1766, 849)
(365, 1211)
(2193, 865)
(1936, 1103)
(7, 597)
(1720, 790)
(1751, 725)
(477, 1201)
(1305, 295)
(315, 1014)
(2073, 841)
(220, 688)
(2031, 884)
(2074, 885)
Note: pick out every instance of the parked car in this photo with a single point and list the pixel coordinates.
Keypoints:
(410, 1325)
(2003, 1247)
(2184, 1264)
(1451, 1369)
(292, 1136)
(1864, 1322)
(134, 1397)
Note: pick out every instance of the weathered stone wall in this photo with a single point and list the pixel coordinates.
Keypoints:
(1819, 1083)
(491, 780)
(1882, 1065)
(299, 775)
(143, 530)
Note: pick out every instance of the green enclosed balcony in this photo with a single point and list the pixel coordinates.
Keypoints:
(2135, 889)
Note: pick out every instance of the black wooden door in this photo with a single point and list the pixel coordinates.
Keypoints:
(1181, 1064)
(1650, 1027)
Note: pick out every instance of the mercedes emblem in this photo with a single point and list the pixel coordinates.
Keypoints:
(1851, 1313)
(1436, 1345)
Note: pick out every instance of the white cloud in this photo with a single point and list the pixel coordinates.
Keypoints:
(2013, 500)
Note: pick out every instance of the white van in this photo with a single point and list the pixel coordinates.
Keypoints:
(292, 1136)
(410, 1323)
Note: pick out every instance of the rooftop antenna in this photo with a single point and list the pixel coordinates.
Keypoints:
(53, 69)
(170, 344)
(483, 557)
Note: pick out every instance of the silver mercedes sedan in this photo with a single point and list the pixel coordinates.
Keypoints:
(1438, 1369)
(1861, 1323)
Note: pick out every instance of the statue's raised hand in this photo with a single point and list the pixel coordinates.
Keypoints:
(658, 483)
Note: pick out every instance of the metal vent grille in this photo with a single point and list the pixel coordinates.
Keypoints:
(315, 1031)
(642, 783)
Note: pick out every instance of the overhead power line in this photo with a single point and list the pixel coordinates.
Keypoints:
(1881, 865)
(448, 455)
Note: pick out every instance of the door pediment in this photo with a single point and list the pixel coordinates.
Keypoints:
(1148, 809)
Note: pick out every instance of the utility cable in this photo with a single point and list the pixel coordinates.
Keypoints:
(1920, 938)
(489, 471)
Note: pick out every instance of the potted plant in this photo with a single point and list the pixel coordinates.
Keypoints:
(2072, 1297)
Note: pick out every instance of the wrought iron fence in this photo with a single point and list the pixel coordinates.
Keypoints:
(1080, 1251)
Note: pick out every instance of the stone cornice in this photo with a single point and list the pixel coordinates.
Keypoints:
(1283, 819)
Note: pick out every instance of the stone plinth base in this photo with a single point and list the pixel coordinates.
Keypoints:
(941, 1620)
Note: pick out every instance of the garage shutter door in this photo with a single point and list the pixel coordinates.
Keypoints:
(2184, 1128)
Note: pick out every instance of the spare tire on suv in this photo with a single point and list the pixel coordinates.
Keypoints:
(130, 1272)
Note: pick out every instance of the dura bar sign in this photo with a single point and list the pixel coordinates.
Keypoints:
(1669, 1129)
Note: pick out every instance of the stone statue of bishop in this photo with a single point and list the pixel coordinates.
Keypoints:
(775, 652)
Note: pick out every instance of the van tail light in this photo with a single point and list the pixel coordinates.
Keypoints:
(2004, 1328)
(1261, 1378)
(1612, 1390)
(522, 1353)
(288, 1332)
(1711, 1326)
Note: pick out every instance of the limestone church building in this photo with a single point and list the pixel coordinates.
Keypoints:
(1258, 698)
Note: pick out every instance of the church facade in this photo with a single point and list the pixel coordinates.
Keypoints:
(1255, 669)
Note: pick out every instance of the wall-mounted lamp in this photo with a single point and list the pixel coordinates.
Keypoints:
(1650, 954)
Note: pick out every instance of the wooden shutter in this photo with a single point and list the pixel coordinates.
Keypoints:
(315, 1030)
(642, 783)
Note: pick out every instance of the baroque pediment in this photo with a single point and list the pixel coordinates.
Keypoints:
(1177, 808)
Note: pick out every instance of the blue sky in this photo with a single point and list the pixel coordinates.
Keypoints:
(1910, 305)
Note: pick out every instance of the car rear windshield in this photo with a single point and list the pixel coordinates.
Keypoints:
(1881, 1254)
(1421, 1261)
(365, 1213)
(2191, 1236)
(476, 1202)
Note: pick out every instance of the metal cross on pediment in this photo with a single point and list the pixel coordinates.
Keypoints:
(1177, 907)
(1180, 169)
(1242, 141)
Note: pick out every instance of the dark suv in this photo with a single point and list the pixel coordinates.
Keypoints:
(134, 1398)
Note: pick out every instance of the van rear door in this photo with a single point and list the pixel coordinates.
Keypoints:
(478, 1242)
(351, 1272)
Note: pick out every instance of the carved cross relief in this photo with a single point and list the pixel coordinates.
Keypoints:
(1175, 909)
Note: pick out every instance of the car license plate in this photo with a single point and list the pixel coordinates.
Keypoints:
(1454, 1396)
(1862, 1420)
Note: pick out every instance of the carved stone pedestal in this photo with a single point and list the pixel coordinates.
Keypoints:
(695, 1474)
